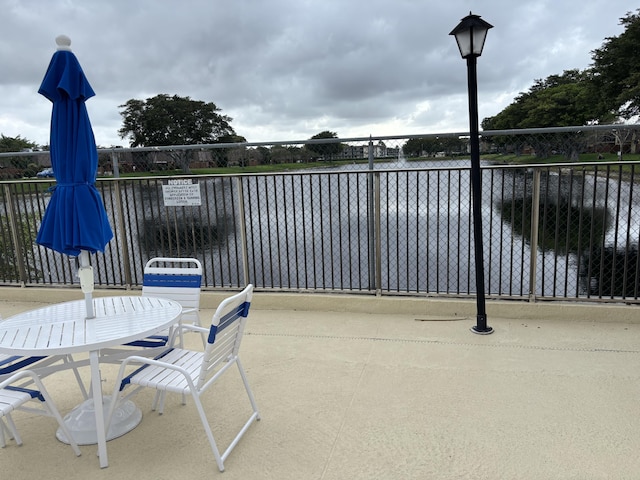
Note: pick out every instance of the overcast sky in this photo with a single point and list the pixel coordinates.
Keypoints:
(289, 69)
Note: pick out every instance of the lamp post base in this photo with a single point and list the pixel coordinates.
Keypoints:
(481, 331)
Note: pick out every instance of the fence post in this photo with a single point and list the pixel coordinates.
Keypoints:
(371, 222)
(243, 230)
(114, 164)
(15, 236)
(535, 223)
(126, 260)
(378, 249)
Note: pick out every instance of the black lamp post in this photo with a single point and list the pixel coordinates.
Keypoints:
(470, 35)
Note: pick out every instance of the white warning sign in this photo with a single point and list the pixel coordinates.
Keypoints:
(181, 193)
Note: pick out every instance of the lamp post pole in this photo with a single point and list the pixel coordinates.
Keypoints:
(476, 190)
(470, 35)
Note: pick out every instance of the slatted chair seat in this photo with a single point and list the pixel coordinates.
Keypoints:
(14, 398)
(190, 372)
(160, 378)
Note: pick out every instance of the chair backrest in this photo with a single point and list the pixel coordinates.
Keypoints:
(178, 279)
(225, 333)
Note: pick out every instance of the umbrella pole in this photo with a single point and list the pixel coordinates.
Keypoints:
(85, 272)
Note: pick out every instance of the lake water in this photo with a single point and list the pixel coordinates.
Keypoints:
(311, 230)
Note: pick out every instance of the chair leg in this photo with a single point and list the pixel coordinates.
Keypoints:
(207, 430)
(3, 429)
(158, 401)
(83, 390)
(254, 405)
(53, 411)
(13, 431)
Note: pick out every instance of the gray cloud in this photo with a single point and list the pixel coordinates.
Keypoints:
(287, 69)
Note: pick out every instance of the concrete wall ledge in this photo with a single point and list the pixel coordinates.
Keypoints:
(427, 308)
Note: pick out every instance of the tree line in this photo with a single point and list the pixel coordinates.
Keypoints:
(606, 92)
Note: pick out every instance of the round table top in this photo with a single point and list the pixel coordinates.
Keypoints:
(63, 328)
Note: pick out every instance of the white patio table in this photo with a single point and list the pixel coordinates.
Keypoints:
(63, 329)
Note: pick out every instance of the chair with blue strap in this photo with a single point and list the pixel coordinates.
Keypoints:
(43, 366)
(9, 364)
(177, 279)
(14, 398)
(190, 372)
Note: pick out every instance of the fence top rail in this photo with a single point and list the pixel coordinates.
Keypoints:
(324, 172)
(484, 133)
(585, 128)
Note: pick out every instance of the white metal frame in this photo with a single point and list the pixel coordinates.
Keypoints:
(17, 398)
(42, 366)
(195, 371)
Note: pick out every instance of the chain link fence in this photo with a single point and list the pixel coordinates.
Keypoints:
(383, 215)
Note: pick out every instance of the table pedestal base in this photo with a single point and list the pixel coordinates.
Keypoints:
(81, 421)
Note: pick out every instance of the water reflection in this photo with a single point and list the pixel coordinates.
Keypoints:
(563, 228)
(576, 218)
(611, 272)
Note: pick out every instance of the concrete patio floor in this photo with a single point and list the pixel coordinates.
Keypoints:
(348, 389)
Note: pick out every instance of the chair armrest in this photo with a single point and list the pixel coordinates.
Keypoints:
(185, 327)
(19, 376)
(194, 328)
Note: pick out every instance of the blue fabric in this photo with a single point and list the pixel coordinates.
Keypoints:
(31, 392)
(75, 218)
(228, 319)
(182, 281)
(15, 363)
(213, 331)
(150, 342)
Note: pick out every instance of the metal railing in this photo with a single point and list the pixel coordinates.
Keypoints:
(386, 216)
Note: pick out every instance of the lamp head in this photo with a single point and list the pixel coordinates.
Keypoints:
(470, 34)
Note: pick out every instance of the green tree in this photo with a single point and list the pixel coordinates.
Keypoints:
(16, 167)
(15, 144)
(415, 147)
(222, 155)
(166, 120)
(557, 101)
(325, 150)
(9, 251)
(616, 69)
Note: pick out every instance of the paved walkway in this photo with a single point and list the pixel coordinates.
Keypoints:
(385, 396)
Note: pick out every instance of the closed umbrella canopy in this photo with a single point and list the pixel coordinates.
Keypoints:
(75, 219)
(75, 222)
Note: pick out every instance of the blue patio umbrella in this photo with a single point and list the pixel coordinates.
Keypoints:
(75, 222)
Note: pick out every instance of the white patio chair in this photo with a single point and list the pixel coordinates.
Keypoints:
(177, 279)
(191, 372)
(42, 366)
(17, 398)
